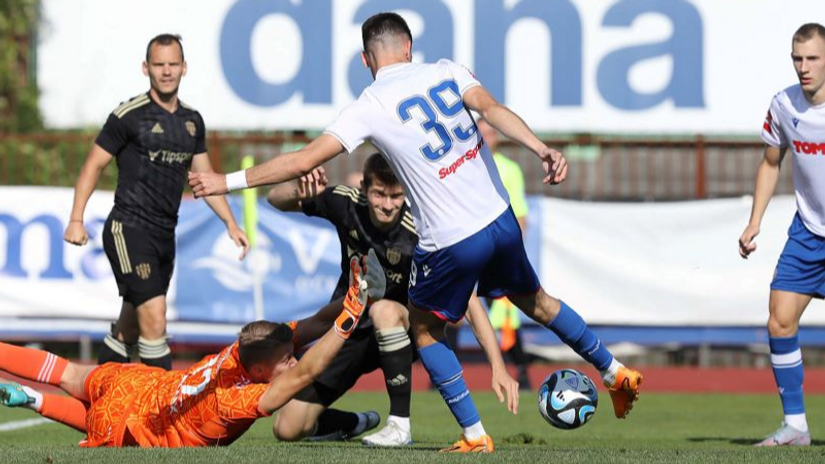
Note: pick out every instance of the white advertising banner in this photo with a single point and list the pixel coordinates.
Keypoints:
(664, 264)
(634, 264)
(627, 66)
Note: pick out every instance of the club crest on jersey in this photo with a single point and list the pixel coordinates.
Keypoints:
(795, 122)
(353, 234)
(393, 256)
(190, 127)
(143, 271)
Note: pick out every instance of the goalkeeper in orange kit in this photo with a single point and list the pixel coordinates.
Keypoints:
(210, 404)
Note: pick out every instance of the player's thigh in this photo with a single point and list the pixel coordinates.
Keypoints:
(297, 420)
(73, 380)
(801, 265)
(358, 356)
(442, 281)
(426, 327)
(509, 272)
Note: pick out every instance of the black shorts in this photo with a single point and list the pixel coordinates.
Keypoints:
(141, 260)
(357, 357)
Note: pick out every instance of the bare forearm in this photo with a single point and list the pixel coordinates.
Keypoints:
(767, 176)
(285, 196)
(315, 326)
(86, 183)
(288, 384)
(484, 333)
(220, 207)
(511, 125)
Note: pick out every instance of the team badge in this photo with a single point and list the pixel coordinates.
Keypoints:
(190, 127)
(393, 255)
(353, 234)
(143, 271)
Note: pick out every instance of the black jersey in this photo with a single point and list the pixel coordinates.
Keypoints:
(154, 150)
(348, 210)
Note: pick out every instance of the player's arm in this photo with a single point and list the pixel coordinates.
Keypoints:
(279, 169)
(480, 100)
(767, 176)
(96, 161)
(367, 283)
(503, 383)
(219, 205)
(288, 196)
(314, 327)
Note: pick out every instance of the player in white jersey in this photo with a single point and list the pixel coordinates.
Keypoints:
(418, 117)
(795, 120)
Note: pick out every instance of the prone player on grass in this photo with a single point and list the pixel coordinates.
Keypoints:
(210, 404)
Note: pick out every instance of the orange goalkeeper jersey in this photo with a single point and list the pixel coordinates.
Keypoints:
(210, 404)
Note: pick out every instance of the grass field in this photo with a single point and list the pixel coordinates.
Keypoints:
(703, 428)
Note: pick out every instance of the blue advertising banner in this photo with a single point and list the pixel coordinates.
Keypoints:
(297, 261)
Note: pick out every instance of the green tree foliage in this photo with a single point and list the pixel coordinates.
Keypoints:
(18, 90)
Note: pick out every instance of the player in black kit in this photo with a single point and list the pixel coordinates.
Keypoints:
(374, 217)
(156, 140)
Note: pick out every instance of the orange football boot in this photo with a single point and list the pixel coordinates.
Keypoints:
(625, 390)
(481, 445)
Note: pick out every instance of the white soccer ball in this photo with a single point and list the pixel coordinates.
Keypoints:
(567, 399)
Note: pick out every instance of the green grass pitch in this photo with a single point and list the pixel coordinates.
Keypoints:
(664, 428)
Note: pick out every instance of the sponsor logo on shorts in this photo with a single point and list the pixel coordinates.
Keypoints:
(426, 269)
(143, 270)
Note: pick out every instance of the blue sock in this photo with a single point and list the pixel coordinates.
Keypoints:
(786, 359)
(445, 372)
(573, 331)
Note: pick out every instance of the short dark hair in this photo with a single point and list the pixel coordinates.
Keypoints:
(382, 25)
(260, 340)
(377, 168)
(808, 31)
(165, 39)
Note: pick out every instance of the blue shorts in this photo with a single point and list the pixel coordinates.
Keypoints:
(801, 266)
(494, 257)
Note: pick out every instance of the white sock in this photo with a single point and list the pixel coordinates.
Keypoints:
(403, 423)
(38, 398)
(609, 374)
(797, 421)
(475, 431)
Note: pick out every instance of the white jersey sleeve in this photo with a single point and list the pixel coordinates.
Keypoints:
(463, 77)
(772, 132)
(350, 127)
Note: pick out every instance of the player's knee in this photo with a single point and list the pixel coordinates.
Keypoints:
(388, 313)
(782, 326)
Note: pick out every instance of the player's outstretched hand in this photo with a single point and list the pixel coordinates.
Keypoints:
(312, 184)
(239, 237)
(366, 283)
(206, 184)
(746, 243)
(76, 234)
(554, 165)
(506, 387)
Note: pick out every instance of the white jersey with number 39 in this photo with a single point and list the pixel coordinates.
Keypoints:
(414, 115)
(794, 123)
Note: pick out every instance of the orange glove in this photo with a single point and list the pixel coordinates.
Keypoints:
(367, 283)
(354, 301)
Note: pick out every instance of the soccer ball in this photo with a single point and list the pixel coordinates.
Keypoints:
(567, 399)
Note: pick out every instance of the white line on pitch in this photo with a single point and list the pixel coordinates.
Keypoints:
(22, 424)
